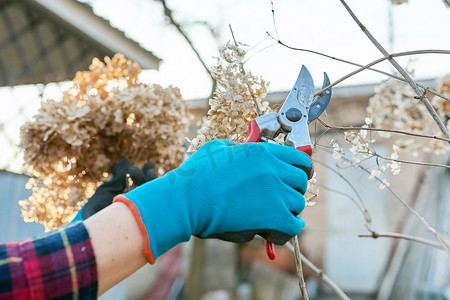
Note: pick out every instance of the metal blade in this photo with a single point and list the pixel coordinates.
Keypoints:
(321, 104)
(305, 85)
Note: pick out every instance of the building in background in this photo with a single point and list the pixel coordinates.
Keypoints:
(44, 43)
(363, 267)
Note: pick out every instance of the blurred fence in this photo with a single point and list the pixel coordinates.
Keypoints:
(14, 228)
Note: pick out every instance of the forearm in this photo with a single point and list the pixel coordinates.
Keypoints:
(117, 244)
(58, 264)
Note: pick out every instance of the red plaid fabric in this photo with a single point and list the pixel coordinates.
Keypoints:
(58, 265)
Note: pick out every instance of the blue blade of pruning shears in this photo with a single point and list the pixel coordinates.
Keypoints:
(320, 104)
(303, 91)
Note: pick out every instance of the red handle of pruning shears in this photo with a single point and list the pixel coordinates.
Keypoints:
(254, 135)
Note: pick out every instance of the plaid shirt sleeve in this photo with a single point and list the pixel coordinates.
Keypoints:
(57, 265)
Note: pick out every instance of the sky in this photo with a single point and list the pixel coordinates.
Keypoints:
(323, 26)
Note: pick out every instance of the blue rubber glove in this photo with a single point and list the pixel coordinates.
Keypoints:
(223, 191)
(105, 194)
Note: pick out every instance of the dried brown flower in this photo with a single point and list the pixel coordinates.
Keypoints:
(233, 105)
(72, 145)
(395, 106)
(442, 104)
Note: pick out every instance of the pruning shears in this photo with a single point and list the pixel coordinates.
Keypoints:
(299, 109)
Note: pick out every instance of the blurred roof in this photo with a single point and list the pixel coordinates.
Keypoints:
(50, 40)
(339, 93)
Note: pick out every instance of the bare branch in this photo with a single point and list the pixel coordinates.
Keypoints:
(331, 127)
(360, 206)
(411, 82)
(168, 13)
(259, 51)
(440, 239)
(317, 53)
(273, 20)
(232, 34)
(433, 92)
(299, 268)
(368, 67)
(322, 276)
(410, 162)
(396, 235)
(375, 154)
(403, 236)
(365, 212)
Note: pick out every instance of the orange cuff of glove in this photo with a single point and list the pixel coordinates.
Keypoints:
(146, 250)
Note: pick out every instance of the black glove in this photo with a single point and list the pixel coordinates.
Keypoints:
(104, 195)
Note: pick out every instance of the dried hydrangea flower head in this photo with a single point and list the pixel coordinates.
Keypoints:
(72, 145)
(233, 105)
(443, 105)
(102, 77)
(395, 106)
(443, 108)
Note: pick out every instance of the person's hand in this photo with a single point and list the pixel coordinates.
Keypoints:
(105, 194)
(223, 191)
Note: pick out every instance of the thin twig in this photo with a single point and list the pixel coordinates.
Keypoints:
(299, 268)
(232, 34)
(168, 13)
(258, 109)
(273, 20)
(375, 235)
(331, 127)
(368, 67)
(403, 236)
(337, 192)
(430, 108)
(420, 93)
(365, 212)
(373, 153)
(315, 52)
(259, 51)
(408, 161)
(433, 92)
(439, 238)
(322, 276)
(360, 206)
